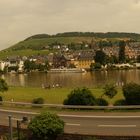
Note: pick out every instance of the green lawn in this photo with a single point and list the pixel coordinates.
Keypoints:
(54, 96)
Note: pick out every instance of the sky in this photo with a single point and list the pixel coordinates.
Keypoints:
(20, 19)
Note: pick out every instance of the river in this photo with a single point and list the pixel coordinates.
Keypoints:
(88, 79)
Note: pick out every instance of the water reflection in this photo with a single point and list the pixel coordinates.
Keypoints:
(96, 78)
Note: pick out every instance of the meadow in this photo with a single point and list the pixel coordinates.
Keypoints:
(51, 96)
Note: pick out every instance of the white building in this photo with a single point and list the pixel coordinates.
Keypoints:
(2, 65)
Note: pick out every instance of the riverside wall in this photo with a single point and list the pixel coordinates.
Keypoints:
(4, 130)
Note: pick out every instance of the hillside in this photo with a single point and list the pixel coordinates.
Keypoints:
(38, 43)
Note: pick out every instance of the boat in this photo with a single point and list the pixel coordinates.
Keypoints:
(67, 70)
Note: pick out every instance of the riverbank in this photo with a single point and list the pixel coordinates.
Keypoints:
(50, 96)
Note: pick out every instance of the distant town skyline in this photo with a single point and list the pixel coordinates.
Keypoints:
(23, 18)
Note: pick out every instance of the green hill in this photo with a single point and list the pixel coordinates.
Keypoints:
(37, 44)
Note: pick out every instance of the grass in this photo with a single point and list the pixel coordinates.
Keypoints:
(26, 52)
(52, 96)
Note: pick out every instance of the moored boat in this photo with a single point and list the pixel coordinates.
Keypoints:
(72, 70)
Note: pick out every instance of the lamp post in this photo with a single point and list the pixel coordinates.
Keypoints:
(18, 129)
(10, 127)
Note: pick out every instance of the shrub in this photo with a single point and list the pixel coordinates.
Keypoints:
(80, 97)
(3, 85)
(120, 102)
(110, 90)
(131, 92)
(1, 99)
(46, 126)
(97, 66)
(38, 101)
(101, 102)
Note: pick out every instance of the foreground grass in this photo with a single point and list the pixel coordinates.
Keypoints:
(52, 96)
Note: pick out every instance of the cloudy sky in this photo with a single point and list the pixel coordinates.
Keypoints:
(20, 19)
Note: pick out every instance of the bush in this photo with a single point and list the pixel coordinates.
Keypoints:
(46, 126)
(80, 97)
(1, 100)
(97, 66)
(38, 101)
(101, 102)
(3, 85)
(120, 102)
(131, 92)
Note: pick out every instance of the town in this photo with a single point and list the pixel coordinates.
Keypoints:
(80, 57)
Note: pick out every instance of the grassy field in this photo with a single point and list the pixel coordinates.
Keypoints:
(53, 96)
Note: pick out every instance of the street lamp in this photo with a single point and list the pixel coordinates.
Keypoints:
(10, 127)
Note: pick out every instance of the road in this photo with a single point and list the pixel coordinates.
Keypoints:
(88, 124)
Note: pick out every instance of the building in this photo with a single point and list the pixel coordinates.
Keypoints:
(84, 60)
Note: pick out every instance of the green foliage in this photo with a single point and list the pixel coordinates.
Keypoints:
(95, 66)
(100, 35)
(3, 85)
(100, 57)
(80, 97)
(131, 92)
(46, 126)
(38, 101)
(29, 65)
(22, 135)
(104, 43)
(120, 102)
(1, 100)
(113, 59)
(110, 90)
(122, 51)
(101, 102)
(38, 36)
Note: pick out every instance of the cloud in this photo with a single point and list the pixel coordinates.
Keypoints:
(22, 18)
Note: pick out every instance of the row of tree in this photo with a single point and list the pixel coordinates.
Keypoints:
(84, 96)
(89, 34)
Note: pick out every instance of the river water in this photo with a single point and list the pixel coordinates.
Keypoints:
(88, 79)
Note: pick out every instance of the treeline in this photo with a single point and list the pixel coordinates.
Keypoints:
(89, 34)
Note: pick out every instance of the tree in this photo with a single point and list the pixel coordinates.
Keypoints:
(46, 126)
(122, 51)
(113, 59)
(80, 97)
(29, 65)
(131, 92)
(95, 66)
(110, 90)
(3, 85)
(100, 57)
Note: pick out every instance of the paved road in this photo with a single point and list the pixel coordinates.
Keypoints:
(109, 125)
